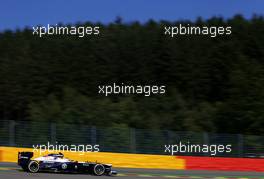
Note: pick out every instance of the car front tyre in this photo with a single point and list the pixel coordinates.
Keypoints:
(33, 166)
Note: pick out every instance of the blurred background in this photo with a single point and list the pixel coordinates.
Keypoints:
(215, 86)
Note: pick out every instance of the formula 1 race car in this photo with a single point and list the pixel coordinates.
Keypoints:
(57, 163)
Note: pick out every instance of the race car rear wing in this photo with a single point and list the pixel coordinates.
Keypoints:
(24, 158)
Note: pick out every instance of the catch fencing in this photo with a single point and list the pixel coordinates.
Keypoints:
(119, 138)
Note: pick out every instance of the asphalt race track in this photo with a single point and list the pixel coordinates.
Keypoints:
(12, 171)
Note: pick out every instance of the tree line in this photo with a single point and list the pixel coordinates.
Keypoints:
(212, 84)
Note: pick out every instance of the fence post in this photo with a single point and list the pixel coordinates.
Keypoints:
(240, 145)
(53, 132)
(206, 140)
(93, 135)
(133, 148)
(169, 137)
(12, 124)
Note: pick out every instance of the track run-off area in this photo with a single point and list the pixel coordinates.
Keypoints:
(12, 171)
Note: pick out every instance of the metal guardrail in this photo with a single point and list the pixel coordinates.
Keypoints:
(120, 138)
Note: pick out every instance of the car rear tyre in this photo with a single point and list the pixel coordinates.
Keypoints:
(33, 166)
(99, 169)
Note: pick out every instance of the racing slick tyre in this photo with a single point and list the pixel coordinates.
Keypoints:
(99, 169)
(33, 166)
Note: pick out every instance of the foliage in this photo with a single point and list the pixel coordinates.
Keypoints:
(213, 84)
